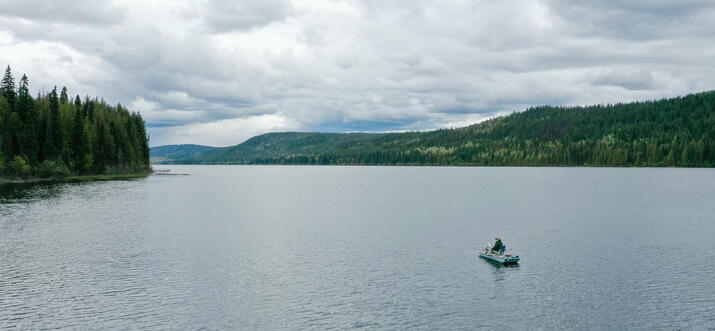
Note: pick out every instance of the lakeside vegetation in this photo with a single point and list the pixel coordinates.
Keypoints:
(676, 132)
(55, 136)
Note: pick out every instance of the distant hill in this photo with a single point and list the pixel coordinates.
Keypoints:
(670, 132)
(172, 153)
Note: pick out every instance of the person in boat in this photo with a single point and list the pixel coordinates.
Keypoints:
(497, 245)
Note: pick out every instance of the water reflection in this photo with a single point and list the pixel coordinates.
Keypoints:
(29, 192)
(500, 270)
(25, 192)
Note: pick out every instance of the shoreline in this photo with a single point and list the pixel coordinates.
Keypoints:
(85, 178)
(432, 165)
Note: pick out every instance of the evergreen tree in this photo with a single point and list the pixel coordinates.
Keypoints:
(100, 149)
(64, 98)
(79, 143)
(143, 140)
(12, 124)
(24, 99)
(88, 109)
(53, 135)
(85, 107)
(28, 144)
(7, 88)
(5, 132)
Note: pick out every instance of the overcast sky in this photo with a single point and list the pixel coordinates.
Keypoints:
(217, 72)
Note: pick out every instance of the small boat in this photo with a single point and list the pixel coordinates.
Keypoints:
(500, 257)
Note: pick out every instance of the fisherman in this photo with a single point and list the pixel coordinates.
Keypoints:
(497, 245)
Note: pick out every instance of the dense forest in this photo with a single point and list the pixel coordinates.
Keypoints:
(678, 132)
(54, 135)
(168, 153)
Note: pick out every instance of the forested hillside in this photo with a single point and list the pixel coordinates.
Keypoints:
(678, 132)
(53, 135)
(169, 153)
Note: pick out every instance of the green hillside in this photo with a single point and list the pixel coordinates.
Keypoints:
(671, 132)
(171, 153)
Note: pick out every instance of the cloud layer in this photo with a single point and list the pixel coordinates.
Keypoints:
(217, 71)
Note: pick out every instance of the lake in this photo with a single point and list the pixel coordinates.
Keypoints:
(302, 247)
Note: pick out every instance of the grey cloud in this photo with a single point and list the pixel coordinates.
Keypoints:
(312, 37)
(228, 15)
(408, 64)
(639, 19)
(630, 80)
(95, 12)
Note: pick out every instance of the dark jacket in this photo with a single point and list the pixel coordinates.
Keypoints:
(497, 245)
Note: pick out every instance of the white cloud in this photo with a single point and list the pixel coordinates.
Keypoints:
(56, 63)
(222, 133)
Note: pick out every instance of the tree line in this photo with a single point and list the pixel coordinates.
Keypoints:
(54, 135)
(676, 132)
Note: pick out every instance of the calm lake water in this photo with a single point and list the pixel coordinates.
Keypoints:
(296, 247)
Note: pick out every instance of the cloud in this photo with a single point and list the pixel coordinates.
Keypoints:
(92, 12)
(630, 80)
(637, 20)
(359, 64)
(221, 133)
(227, 15)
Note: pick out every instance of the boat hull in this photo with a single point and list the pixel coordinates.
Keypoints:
(500, 258)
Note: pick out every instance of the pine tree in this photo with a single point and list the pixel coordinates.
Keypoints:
(143, 140)
(85, 107)
(115, 155)
(23, 99)
(7, 88)
(100, 148)
(4, 130)
(79, 146)
(53, 140)
(88, 110)
(64, 98)
(28, 133)
(11, 123)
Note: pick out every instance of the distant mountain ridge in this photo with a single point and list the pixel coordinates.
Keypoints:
(670, 132)
(169, 153)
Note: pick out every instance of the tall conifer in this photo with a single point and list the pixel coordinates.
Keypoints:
(7, 88)
(64, 98)
(53, 140)
(79, 142)
(28, 133)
